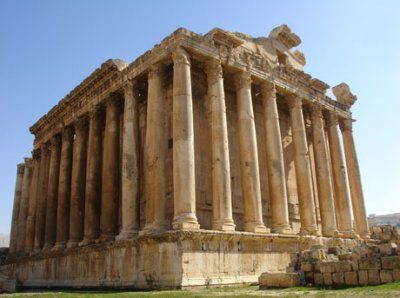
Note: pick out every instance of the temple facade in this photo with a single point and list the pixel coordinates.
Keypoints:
(208, 160)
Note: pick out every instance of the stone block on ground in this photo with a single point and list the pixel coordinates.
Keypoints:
(369, 264)
(280, 280)
(338, 278)
(350, 278)
(327, 279)
(318, 279)
(392, 262)
(363, 277)
(388, 249)
(373, 277)
(396, 274)
(386, 276)
(327, 267)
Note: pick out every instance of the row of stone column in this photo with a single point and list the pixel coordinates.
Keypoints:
(68, 194)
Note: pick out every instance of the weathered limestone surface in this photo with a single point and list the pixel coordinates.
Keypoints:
(205, 161)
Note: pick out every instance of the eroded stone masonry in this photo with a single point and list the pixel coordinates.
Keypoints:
(208, 160)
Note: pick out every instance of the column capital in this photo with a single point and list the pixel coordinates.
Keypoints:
(316, 111)
(113, 100)
(214, 70)
(81, 124)
(54, 142)
(155, 70)
(294, 101)
(20, 168)
(243, 80)
(129, 86)
(36, 153)
(28, 162)
(67, 133)
(346, 124)
(332, 119)
(180, 56)
(95, 112)
(268, 90)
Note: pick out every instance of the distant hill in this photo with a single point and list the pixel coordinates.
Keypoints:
(4, 240)
(387, 219)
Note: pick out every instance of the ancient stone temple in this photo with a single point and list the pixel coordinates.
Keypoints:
(208, 160)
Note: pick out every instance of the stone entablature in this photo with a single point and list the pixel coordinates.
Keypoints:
(114, 73)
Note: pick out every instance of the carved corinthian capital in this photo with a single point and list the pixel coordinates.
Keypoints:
(243, 80)
(20, 168)
(28, 162)
(294, 101)
(268, 90)
(213, 70)
(180, 56)
(155, 70)
(316, 111)
(346, 124)
(332, 119)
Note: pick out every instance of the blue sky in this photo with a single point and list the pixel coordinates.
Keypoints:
(48, 47)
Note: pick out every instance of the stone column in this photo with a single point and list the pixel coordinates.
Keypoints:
(40, 217)
(250, 175)
(64, 188)
(341, 194)
(353, 170)
(23, 206)
(275, 161)
(77, 210)
(155, 152)
(15, 214)
(323, 173)
(221, 177)
(130, 164)
(183, 151)
(303, 168)
(52, 193)
(33, 197)
(93, 179)
(110, 173)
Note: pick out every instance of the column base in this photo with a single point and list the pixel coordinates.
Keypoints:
(365, 235)
(58, 247)
(72, 243)
(153, 228)
(348, 234)
(48, 247)
(330, 233)
(105, 238)
(185, 221)
(127, 234)
(256, 227)
(87, 241)
(309, 231)
(227, 225)
(284, 229)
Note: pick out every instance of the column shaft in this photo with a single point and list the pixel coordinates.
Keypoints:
(221, 177)
(275, 161)
(15, 214)
(353, 170)
(253, 220)
(155, 152)
(77, 208)
(303, 168)
(110, 173)
(52, 194)
(341, 194)
(130, 164)
(23, 207)
(33, 197)
(323, 173)
(93, 179)
(40, 217)
(183, 150)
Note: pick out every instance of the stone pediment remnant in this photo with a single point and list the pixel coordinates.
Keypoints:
(343, 94)
(285, 35)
